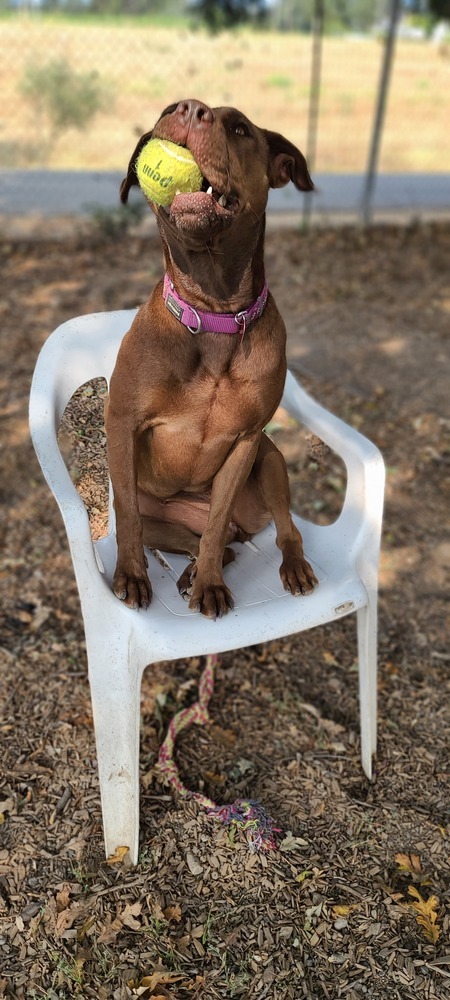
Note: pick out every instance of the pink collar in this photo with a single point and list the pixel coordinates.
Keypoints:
(198, 321)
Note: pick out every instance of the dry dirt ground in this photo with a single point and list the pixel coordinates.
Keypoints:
(355, 903)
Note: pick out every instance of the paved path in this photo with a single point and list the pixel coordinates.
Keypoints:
(54, 193)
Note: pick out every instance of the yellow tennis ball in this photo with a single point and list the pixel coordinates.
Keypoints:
(163, 169)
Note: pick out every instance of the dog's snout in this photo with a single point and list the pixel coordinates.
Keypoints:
(194, 113)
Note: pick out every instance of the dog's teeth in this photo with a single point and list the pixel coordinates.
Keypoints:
(210, 190)
(222, 201)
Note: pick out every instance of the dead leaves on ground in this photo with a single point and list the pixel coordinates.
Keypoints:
(160, 979)
(426, 910)
(69, 918)
(62, 912)
(126, 918)
(66, 918)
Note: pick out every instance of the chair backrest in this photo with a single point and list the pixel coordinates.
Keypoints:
(78, 351)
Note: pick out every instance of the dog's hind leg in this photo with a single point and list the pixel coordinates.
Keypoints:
(169, 537)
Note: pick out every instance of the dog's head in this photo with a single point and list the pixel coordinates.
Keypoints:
(239, 163)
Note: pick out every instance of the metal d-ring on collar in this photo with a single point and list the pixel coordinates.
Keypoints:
(241, 320)
(198, 321)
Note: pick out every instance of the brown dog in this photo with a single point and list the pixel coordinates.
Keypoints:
(190, 465)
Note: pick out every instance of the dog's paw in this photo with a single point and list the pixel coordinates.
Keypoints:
(297, 576)
(133, 588)
(184, 582)
(211, 600)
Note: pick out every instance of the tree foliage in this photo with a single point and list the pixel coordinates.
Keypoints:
(219, 14)
(440, 9)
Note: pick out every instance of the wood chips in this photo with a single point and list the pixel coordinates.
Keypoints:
(355, 902)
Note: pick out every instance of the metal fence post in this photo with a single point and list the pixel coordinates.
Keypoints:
(366, 203)
(314, 98)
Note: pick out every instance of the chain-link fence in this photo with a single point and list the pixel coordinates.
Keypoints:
(77, 89)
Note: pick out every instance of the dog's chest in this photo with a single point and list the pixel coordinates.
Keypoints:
(214, 405)
(191, 437)
(197, 421)
(236, 385)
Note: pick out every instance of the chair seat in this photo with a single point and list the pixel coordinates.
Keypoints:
(263, 609)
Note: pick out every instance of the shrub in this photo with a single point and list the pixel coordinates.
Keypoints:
(61, 97)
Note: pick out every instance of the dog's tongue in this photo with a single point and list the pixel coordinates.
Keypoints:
(197, 203)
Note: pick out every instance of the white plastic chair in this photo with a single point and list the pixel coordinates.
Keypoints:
(122, 642)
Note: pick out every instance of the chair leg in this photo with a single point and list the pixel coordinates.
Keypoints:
(115, 692)
(367, 655)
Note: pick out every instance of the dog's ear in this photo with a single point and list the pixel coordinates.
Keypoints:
(131, 179)
(286, 163)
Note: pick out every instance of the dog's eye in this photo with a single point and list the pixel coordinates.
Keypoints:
(239, 129)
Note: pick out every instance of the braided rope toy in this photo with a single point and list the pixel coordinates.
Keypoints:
(244, 814)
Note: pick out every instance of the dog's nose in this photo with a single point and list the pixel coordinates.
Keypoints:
(194, 113)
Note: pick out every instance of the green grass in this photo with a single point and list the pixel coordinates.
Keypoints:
(278, 80)
(61, 17)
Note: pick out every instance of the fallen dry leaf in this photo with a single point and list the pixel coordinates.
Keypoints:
(426, 914)
(129, 915)
(6, 806)
(291, 843)
(157, 911)
(409, 863)
(66, 919)
(63, 898)
(125, 918)
(110, 930)
(344, 910)
(118, 857)
(173, 913)
(303, 875)
(160, 979)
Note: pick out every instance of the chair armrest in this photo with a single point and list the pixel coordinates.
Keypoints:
(363, 504)
(341, 438)
(73, 511)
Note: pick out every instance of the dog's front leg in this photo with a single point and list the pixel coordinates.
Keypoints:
(209, 593)
(271, 475)
(130, 583)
